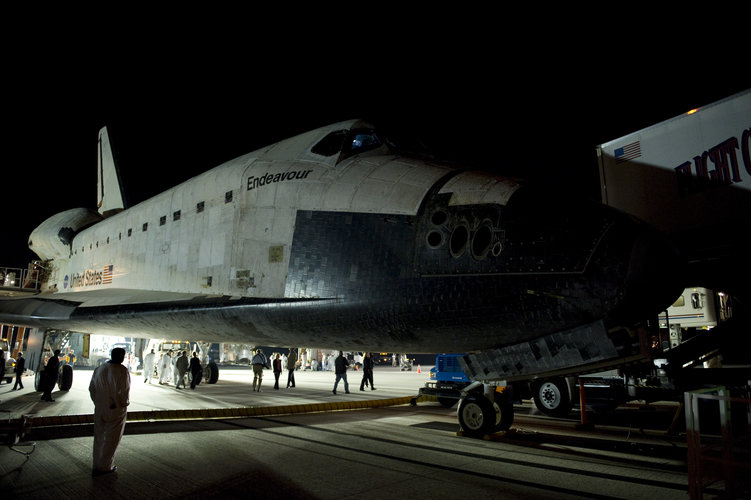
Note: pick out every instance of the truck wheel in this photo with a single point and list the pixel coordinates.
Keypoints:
(38, 381)
(476, 415)
(552, 398)
(212, 373)
(65, 380)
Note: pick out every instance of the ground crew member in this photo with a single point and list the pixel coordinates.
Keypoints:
(148, 366)
(165, 368)
(182, 366)
(340, 368)
(20, 367)
(259, 362)
(277, 370)
(367, 372)
(110, 392)
(291, 365)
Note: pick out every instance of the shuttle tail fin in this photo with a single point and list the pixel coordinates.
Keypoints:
(109, 193)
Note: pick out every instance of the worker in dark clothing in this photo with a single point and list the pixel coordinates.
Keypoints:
(291, 365)
(20, 368)
(50, 376)
(277, 365)
(341, 364)
(367, 372)
(181, 366)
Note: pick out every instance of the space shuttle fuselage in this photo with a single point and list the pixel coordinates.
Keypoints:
(333, 238)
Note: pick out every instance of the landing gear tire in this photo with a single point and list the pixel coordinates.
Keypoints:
(552, 398)
(504, 413)
(477, 416)
(212, 373)
(38, 381)
(65, 380)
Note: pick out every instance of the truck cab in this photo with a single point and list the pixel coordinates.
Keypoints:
(696, 309)
(447, 379)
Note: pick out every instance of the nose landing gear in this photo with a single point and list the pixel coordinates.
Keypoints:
(487, 412)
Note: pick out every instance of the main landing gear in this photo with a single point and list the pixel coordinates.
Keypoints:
(485, 409)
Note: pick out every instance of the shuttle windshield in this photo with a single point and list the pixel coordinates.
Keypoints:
(355, 141)
(347, 143)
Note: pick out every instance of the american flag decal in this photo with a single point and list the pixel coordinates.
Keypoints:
(627, 152)
(107, 278)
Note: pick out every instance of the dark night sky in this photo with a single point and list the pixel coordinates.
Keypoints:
(175, 109)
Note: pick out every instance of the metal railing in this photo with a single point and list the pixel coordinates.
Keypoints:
(719, 443)
(22, 279)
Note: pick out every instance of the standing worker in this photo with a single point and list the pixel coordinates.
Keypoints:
(50, 376)
(20, 367)
(181, 367)
(165, 367)
(195, 371)
(340, 368)
(277, 370)
(148, 366)
(175, 371)
(110, 392)
(291, 365)
(259, 361)
(367, 372)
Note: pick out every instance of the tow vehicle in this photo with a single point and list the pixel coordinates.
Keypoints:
(447, 379)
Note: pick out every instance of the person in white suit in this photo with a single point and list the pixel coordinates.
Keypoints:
(165, 368)
(148, 366)
(110, 391)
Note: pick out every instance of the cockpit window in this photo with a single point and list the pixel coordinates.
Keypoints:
(347, 143)
(363, 141)
(331, 144)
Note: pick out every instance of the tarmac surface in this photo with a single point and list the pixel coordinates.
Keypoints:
(233, 390)
(306, 442)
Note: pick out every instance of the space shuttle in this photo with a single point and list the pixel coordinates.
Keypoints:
(337, 238)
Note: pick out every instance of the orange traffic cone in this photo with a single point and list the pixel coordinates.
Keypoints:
(418, 369)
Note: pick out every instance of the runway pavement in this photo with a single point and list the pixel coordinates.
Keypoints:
(233, 390)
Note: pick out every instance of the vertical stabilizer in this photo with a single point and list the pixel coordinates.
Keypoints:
(109, 192)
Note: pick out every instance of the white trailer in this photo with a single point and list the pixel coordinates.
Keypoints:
(686, 174)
